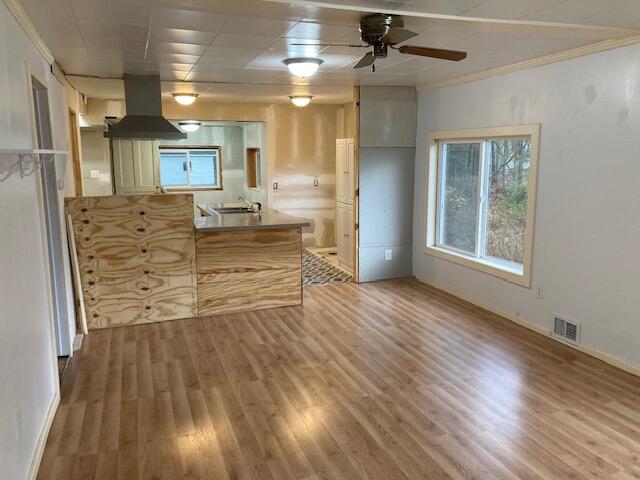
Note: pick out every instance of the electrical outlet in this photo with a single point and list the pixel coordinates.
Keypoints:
(388, 254)
(539, 293)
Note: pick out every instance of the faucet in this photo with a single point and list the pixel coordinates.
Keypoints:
(254, 206)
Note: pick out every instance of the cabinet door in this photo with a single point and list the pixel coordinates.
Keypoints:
(340, 231)
(340, 169)
(348, 236)
(136, 166)
(349, 168)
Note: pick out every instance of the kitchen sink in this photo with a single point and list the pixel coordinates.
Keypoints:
(232, 210)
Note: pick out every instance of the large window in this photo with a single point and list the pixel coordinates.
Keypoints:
(190, 168)
(481, 199)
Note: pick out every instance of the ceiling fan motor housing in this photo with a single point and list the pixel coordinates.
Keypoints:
(374, 27)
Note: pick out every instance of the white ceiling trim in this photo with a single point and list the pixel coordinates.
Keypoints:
(534, 62)
(25, 22)
(440, 16)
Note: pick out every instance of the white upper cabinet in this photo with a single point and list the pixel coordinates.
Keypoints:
(136, 166)
(345, 163)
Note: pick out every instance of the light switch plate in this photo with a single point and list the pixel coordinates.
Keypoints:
(94, 173)
(388, 254)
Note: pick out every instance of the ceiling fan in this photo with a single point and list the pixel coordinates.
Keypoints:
(382, 31)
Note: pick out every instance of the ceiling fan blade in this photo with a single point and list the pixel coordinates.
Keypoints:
(397, 35)
(453, 55)
(365, 61)
(329, 45)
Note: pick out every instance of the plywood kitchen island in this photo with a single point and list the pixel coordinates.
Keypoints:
(248, 261)
(143, 260)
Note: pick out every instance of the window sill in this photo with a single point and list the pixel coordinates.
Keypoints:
(191, 189)
(516, 276)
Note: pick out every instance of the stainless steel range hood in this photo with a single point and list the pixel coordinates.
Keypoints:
(144, 112)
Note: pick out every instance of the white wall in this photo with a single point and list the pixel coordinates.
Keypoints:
(386, 166)
(96, 155)
(28, 374)
(587, 223)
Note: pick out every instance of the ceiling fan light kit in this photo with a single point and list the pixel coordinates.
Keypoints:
(185, 98)
(301, 100)
(383, 31)
(302, 67)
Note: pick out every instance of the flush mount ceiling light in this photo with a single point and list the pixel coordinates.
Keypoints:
(302, 67)
(189, 126)
(301, 100)
(185, 98)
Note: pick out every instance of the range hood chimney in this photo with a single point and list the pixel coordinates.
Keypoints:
(144, 118)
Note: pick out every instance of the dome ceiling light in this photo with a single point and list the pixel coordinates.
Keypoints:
(189, 126)
(185, 98)
(302, 67)
(301, 100)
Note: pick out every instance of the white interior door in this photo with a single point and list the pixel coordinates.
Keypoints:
(350, 153)
(340, 169)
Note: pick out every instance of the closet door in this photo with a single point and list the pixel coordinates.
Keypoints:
(340, 169)
(350, 153)
(136, 166)
(348, 236)
(341, 215)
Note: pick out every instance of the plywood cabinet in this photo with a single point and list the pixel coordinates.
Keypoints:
(136, 166)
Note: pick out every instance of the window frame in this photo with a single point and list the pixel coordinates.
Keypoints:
(498, 268)
(186, 149)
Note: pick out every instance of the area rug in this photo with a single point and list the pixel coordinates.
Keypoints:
(317, 271)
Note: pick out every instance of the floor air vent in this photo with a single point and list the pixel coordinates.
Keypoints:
(567, 330)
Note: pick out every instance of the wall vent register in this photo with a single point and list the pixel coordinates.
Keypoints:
(567, 330)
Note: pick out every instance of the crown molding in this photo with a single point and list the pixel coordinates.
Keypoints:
(534, 62)
(25, 22)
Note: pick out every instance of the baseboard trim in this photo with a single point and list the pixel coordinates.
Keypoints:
(614, 362)
(44, 434)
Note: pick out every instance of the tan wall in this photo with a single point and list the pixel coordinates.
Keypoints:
(300, 149)
(304, 151)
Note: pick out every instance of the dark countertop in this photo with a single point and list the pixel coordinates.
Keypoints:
(268, 218)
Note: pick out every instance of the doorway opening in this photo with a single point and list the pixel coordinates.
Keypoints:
(52, 216)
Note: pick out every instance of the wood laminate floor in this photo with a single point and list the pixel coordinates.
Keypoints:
(390, 380)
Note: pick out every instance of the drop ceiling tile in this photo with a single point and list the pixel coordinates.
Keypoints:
(442, 7)
(172, 58)
(64, 40)
(178, 35)
(114, 42)
(171, 75)
(319, 31)
(231, 61)
(111, 12)
(187, 19)
(176, 48)
(214, 63)
(273, 61)
(508, 9)
(222, 75)
(230, 52)
(104, 29)
(296, 47)
(263, 27)
(242, 41)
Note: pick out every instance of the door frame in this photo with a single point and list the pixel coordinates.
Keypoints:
(74, 151)
(63, 345)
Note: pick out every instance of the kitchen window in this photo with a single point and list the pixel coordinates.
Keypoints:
(481, 199)
(190, 168)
